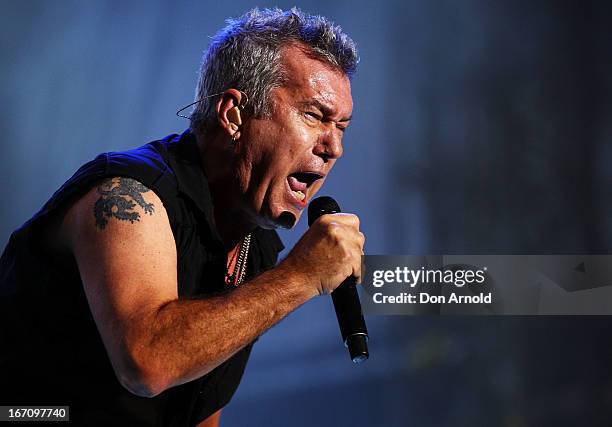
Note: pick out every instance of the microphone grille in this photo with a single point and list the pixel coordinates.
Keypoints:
(321, 206)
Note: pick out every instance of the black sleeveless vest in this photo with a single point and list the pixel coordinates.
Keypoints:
(51, 352)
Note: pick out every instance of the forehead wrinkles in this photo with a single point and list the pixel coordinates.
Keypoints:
(306, 78)
(326, 87)
(322, 88)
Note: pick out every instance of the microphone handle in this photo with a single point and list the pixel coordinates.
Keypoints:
(351, 321)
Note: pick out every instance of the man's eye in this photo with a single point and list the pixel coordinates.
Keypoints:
(313, 116)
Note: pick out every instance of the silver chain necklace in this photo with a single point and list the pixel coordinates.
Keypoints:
(237, 276)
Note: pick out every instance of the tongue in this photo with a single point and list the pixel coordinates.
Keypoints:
(296, 185)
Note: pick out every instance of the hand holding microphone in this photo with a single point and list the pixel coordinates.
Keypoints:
(345, 297)
(330, 251)
(329, 254)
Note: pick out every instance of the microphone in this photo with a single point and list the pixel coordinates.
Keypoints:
(345, 297)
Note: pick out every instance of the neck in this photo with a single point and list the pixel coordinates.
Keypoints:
(230, 218)
(231, 226)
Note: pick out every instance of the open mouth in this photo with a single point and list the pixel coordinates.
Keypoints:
(299, 182)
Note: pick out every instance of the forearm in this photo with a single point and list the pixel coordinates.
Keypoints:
(188, 338)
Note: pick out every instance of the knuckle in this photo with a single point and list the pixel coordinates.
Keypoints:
(347, 255)
(335, 230)
(346, 249)
(331, 229)
(321, 222)
(325, 219)
(350, 219)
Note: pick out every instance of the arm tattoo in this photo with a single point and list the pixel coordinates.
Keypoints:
(118, 198)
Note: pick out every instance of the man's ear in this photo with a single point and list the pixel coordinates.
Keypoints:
(228, 112)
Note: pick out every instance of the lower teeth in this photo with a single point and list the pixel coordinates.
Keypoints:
(301, 196)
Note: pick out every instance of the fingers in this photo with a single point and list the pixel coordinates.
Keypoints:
(355, 239)
(341, 218)
(357, 269)
(331, 250)
(360, 248)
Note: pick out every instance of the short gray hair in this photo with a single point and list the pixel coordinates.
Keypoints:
(246, 55)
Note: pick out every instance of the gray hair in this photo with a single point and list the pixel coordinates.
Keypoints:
(246, 55)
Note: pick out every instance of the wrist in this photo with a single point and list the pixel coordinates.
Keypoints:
(298, 277)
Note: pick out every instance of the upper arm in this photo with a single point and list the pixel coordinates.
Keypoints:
(121, 238)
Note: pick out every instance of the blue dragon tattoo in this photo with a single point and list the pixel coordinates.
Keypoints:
(118, 198)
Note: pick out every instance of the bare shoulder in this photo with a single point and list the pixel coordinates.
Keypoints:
(117, 207)
(119, 232)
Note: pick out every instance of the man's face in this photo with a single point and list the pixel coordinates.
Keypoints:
(285, 158)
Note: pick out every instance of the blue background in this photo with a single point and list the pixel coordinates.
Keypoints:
(479, 127)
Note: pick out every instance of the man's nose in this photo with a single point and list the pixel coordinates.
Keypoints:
(330, 145)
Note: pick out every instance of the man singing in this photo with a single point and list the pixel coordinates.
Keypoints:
(135, 295)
